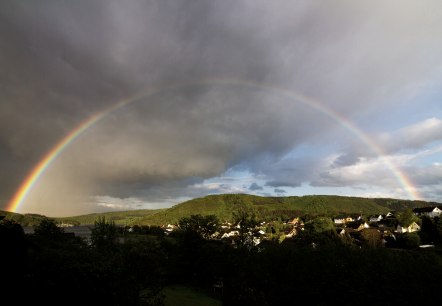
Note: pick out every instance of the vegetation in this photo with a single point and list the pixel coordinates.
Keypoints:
(104, 234)
(187, 296)
(145, 266)
(407, 217)
(118, 217)
(273, 208)
(205, 226)
(223, 206)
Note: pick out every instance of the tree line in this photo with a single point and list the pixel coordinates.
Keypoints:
(118, 267)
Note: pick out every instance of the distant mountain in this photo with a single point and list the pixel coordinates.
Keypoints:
(266, 208)
(119, 217)
(25, 219)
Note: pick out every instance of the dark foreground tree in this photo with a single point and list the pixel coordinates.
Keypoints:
(48, 229)
(204, 226)
(104, 234)
(247, 223)
(408, 240)
(13, 249)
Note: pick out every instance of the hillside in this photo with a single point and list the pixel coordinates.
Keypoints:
(119, 217)
(266, 208)
(23, 219)
(270, 208)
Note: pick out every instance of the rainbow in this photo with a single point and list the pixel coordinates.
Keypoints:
(27, 185)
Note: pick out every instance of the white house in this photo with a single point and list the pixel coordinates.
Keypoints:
(230, 234)
(413, 227)
(339, 220)
(432, 211)
(376, 218)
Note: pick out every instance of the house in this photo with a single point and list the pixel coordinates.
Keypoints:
(296, 221)
(230, 234)
(432, 211)
(63, 224)
(340, 231)
(170, 227)
(291, 232)
(349, 219)
(357, 225)
(376, 218)
(390, 214)
(413, 227)
(339, 220)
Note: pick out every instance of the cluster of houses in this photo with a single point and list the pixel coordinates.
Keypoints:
(387, 225)
(353, 225)
(388, 220)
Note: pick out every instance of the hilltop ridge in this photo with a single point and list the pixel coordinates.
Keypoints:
(223, 205)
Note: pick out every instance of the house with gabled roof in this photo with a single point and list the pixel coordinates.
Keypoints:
(296, 221)
(413, 227)
(431, 211)
(376, 218)
(342, 219)
(291, 232)
(349, 219)
(357, 225)
(390, 214)
(339, 220)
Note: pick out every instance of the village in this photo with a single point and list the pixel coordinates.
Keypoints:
(374, 230)
(222, 258)
(380, 230)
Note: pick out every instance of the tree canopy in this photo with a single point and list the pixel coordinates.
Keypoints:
(205, 226)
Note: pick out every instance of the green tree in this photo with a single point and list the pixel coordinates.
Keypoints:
(247, 224)
(317, 207)
(12, 255)
(428, 232)
(319, 230)
(409, 240)
(319, 225)
(407, 217)
(48, 229)
(205, 226)
(438, 226)
(372, 237)
(104, 234)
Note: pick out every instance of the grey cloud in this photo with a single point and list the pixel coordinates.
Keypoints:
(290, 172)
(255, 187)
(414, 136)
(345, 159)
(279, 190)
(427, 176)
(64, 61)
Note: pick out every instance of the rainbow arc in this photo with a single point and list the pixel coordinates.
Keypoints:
(33, 176)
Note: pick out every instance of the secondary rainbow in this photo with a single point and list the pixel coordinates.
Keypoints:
(27, 185)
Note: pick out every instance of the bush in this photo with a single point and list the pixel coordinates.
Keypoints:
(409, 240)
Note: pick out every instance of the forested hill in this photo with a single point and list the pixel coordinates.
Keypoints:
(266, 208)
(119, 217)
(270, 208)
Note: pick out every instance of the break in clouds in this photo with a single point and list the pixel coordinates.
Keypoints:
(377, 64)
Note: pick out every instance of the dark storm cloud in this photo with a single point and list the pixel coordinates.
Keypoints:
(63, 61)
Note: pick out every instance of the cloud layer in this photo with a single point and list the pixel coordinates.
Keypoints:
(64, 61)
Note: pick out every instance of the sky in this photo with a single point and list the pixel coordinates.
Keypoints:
(190, 98)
